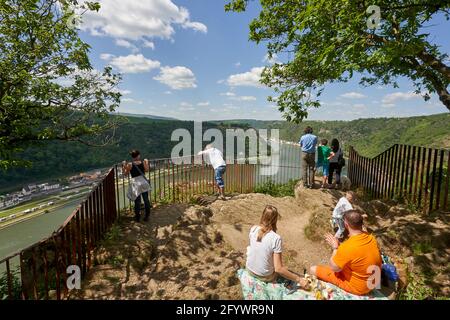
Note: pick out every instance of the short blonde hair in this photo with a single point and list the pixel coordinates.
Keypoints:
(351, 193)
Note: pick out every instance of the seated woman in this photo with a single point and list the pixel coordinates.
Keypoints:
(264, 259)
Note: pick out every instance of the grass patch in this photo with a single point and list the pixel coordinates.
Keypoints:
(319, 224)
(416, 289)
(420, 248)
(277, 190)
(113, 234)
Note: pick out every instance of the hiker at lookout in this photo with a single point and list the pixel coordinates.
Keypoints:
(215, 158)
(308, 143)
(353, 262)
(264, 260)
(336, 163)
(344, 204)
(323, 159)
(139, 186)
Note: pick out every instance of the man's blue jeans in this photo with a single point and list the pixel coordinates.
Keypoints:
(218, 174)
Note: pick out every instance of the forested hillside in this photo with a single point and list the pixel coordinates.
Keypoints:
(57, 159)
(152, 137)
(370, 136)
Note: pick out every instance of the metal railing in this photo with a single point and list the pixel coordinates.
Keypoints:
(41, 269)
(419, 175)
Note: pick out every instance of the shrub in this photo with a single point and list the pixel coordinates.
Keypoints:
(277, 190)
(16, 286)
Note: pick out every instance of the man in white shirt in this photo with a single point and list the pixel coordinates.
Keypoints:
(344, 204)
(215, 157)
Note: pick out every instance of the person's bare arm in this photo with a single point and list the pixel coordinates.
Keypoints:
(285, 273)
(334, 243)
(203, 152)
(126, 167)
(331, 155)
(146, 165)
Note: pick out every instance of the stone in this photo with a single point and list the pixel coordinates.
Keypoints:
(346, 183)
(300, 191)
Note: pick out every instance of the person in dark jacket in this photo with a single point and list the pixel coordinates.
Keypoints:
(335, 167)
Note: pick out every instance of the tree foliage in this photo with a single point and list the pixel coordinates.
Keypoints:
(329, 41)
(48, 87)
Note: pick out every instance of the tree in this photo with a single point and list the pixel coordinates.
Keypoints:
(48, 87)
(329, 41)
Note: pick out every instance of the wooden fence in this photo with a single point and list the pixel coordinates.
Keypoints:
(419, 175)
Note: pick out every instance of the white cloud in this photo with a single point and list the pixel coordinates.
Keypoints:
(185, 104)
(134, 64)
(353, 95)
(228, 94)
(246, 79)
(149, 44)
(127, 44)
(203, 104)
(106, 56)
(244, 98)
(177, 78)
(237, 64)
(389, 100)
(125, 92)
(197, 26)
(131, 100)
(168, 92)
(187, 107)
(136, 19)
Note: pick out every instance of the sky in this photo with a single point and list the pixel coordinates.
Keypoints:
(191, 60)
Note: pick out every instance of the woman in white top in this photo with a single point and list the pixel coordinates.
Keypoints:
(264, 259)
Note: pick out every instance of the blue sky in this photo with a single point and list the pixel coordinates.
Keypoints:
(190, 60)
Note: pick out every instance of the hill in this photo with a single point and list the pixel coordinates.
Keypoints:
(148, 116)
(370, 136)
(52, 160)
(153, 137)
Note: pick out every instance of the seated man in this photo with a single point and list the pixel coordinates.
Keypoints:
(354, 261)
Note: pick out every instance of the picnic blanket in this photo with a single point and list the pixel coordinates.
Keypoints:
(255, 289)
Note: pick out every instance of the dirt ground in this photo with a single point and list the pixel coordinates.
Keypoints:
(194, 251)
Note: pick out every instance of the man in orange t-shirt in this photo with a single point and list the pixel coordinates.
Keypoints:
(355, 265)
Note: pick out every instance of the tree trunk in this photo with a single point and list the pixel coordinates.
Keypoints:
(444, 96)
(435, 63)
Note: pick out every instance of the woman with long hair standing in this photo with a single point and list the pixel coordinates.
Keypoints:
(335, 166)
(264, 260)
(139, 185)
